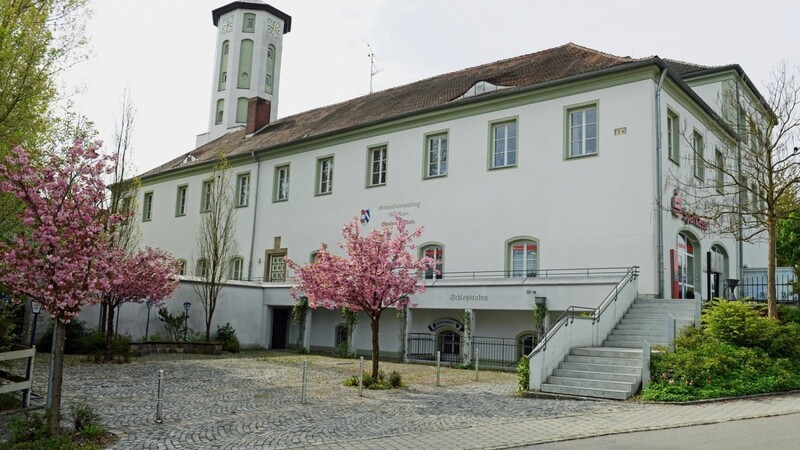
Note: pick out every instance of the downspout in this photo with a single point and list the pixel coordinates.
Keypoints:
(740, 237)
(660, 267)
(255, 214)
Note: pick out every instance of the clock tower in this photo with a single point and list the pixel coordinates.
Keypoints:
(247, 63)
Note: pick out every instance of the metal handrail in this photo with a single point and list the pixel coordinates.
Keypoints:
(568, 316)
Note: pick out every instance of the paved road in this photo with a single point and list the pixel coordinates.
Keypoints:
(774, 433)
(253, 401)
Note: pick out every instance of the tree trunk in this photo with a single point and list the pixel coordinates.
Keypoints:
(375, 345)
(109, 354)
(54, 418)
(772, 237)
(103, 309)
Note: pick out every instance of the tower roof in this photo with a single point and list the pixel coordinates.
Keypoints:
(253, 5)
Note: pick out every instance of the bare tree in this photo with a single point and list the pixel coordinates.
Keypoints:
(122, 202)
(746, 186)
(216, 243)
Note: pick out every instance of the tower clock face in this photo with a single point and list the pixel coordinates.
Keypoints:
(273, 27)
(227, 24)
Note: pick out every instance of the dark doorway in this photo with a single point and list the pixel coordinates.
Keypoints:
(280, 325)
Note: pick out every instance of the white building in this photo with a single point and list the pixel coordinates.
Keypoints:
(546, 175)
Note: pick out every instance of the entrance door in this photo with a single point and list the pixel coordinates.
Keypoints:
(280, 327)
(450, 346)
(686, 283)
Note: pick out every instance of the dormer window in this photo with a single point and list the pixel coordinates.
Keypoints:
(480, 88)
(188, 159)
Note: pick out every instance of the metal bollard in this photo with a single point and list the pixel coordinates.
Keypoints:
(477, 359)
(305, 382)
(438, 367)
(361, 376)
(160, 398)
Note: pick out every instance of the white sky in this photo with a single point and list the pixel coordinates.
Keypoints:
(163, 50)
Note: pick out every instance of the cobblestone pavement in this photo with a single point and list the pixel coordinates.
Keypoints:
(253, 401)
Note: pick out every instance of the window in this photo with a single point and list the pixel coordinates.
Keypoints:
(699, 147)
(312, 258)
(743, 198)
(245, 64)
(270, 74)
(202, 268)
(582, 131)
(241, 110)
(720, 163)
(340, 338)
(181, 267)
(436, 156)
(325, 175)
(436, 253)
(377, 166)
(523, 258)
(504, 144)
(526, 343)
(223, 66)
(180, 201)
(235, 268)
(754, 197)
(281, 184)
(220, 111)
(147, 207)
(249, 23)
(673, 137)
(207, 196)
(242, 189)
(276, 267)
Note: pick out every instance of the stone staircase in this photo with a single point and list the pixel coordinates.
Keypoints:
(614, 371)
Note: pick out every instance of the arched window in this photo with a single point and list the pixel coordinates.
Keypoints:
(270, 73)
(202, 268)
(312, 258)
(235, 268)
(245, 64)
(220, 111)
(241, 110)
(181, 267)
(449, 343)
(435, 252)
(223, 66)
(523, 258)
(525, 344)
(249, 23)
(719, 270)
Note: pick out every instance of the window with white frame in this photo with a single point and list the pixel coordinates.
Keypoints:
(436, 253)
(180, 201)
(243, 189)
(673, 137)
(325, 175)
(235, 268)
(719, 159)
(504, 144)
(436, 155)
(523, 258)
(181, 267)
(147, 206)
(202, 268)
(582, 131)
(207, 196)
(377, 166)
(699, 153)
(281, 183)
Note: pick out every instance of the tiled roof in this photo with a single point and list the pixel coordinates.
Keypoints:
(683, 68)
(563, 62)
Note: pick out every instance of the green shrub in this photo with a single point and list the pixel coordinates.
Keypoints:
(789, 314)
(28, 427)
(174, 324)
(93, 431)
(9, 401)
(689, 338)
(383, 382)
(226, 334)
(784, 342)
(523, 374)
(83, 415)
(76, 331)
(50, 443)
(738, 323)
(342, 351)
(395, 379)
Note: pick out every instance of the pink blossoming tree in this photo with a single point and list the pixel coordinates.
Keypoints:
(379, 272)
(150, 274)
(60, 258)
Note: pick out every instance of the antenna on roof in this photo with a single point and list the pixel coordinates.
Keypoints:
(373, 70)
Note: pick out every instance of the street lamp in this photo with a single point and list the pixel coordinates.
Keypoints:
(149, 305)
(36, 309)
(186, 306)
